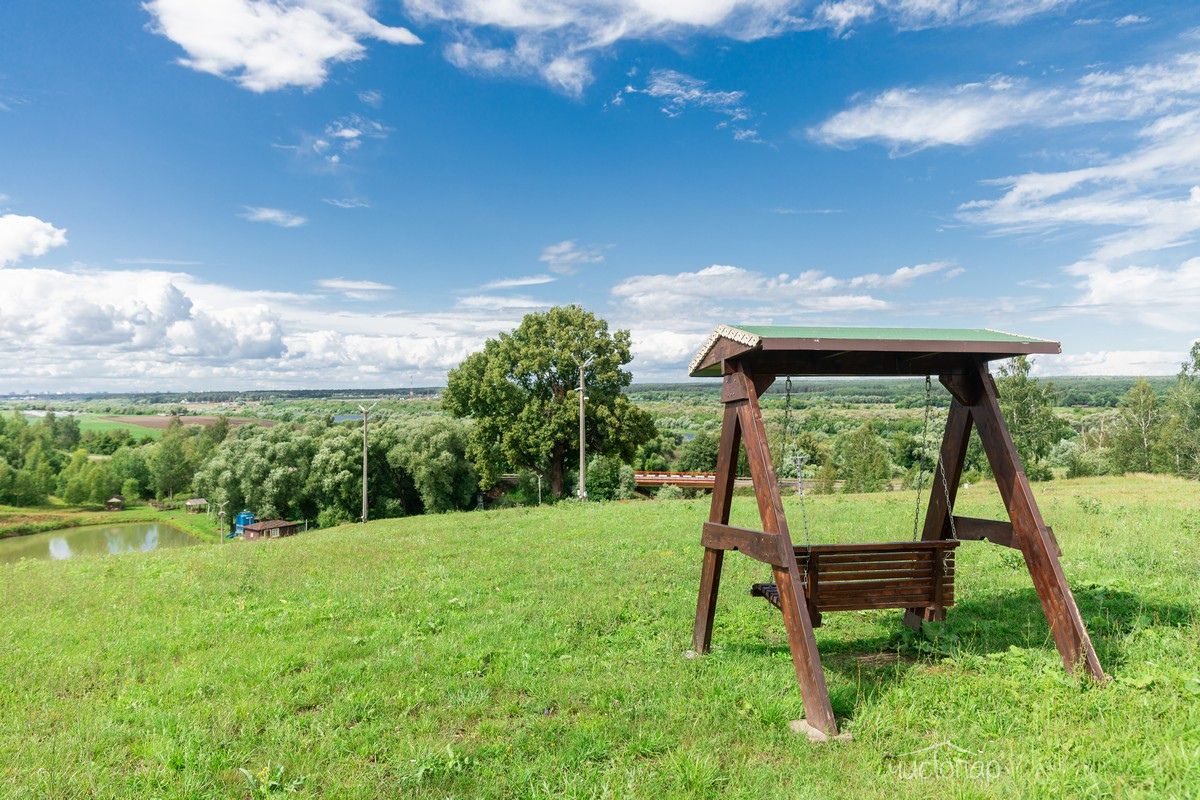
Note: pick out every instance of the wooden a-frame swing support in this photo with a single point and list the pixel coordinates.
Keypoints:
(749, 363)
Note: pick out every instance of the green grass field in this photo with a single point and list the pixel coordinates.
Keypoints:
(98, 424)
(540, 653)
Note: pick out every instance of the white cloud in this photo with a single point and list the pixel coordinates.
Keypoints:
(719, 290)
(679, 93)
(24, 236)
(347, 202)
(1130, 19)
(502, 303)
(140, 329)
(265, 45)
(1151, 195)
(157, 262)
(356, 290)
(904, 275)
(513, 283)
(1160, 298)
(1111, 362)
(556, 40)
(914, 118)
(567, 257)
(275, 216)
(372, 97)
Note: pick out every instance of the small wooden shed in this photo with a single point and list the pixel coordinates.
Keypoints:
(270, 529)
(115, 503)
(196, 505)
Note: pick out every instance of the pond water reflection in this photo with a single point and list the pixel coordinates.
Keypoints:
(127, 537)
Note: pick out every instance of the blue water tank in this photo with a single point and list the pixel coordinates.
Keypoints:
(241, 521)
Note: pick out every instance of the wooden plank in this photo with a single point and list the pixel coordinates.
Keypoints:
(722, 500)
(868, 605)
(990, 530)
(756, 544)
(878, 547)
(1031, 533)
(810, 675)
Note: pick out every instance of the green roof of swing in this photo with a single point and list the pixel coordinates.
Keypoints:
(887, 334)
(889, 343)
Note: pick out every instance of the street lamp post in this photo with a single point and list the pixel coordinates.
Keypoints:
(366, 412)
(582, 491)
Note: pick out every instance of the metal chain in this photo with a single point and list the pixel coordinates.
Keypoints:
(798, 458)
(949, 504)
(921, 456)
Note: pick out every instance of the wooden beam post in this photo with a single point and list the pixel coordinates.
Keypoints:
(937, 515)
(806, 659)
(722, 500)
(1031, 532)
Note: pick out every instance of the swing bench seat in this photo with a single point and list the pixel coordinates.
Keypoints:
(856, 577)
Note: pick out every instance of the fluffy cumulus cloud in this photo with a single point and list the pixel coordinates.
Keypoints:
(670, 315)
(271, 44)
(556, 40)
(24, 236)
(145, 328)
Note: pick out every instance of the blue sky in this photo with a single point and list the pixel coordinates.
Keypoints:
(240, 193)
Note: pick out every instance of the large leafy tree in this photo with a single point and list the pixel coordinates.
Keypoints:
(1135, 437)
(1178, 447)
(521, 392)
(1028, 406)
(863, 461)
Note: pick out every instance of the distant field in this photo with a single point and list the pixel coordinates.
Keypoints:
(539, 653)
(160, 422)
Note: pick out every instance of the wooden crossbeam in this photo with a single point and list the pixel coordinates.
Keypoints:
(760, 546)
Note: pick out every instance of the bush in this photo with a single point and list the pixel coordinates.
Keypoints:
(331, 517)
(608, 478)
(130, 489)
(669, 492)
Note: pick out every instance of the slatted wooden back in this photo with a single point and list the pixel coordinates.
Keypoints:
(852, 577)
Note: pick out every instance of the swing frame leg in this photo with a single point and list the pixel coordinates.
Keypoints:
(977, 402)
(743, 423)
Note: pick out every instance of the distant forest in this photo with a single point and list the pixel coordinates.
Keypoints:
(1080, 391)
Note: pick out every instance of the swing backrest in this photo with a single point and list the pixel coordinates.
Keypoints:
(847, 577)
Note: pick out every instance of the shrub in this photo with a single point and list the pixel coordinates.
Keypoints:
(669, 492)
(608, 478)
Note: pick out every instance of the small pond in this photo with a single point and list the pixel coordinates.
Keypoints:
(126, 537)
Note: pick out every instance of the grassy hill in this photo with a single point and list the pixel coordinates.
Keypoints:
(540, 653)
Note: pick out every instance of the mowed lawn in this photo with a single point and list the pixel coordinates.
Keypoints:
(541, 653)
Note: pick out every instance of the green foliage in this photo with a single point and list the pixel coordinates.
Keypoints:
(131, 489)
(669, 492)
(862, 459)
(433, 452)
(170, 470)
(609, 478)
(1028, 407)
(521, 392)
(699, 454)
(1135, 437)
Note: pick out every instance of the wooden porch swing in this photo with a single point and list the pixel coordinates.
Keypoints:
(918, 575)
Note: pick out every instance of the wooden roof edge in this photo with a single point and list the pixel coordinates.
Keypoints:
(748, 340)
(999, 349)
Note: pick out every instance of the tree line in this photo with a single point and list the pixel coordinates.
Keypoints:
(512, 408)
